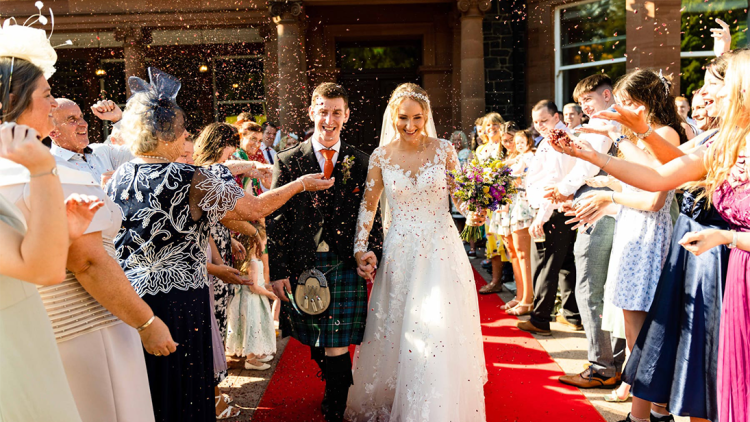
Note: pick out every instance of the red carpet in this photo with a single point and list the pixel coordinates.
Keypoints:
(522, 385)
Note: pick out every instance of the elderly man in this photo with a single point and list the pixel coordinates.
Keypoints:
(70, 140)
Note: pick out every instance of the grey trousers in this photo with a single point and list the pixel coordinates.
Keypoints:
(606, 353)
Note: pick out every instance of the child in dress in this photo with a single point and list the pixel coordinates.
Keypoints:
(521, 216)
(250, 319)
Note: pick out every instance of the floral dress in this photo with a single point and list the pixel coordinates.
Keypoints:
(168, 210)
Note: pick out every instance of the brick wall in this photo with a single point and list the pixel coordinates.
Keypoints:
(505, 59)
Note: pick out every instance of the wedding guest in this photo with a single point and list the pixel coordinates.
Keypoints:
(461, 144)
(95, 307)
(572, 115)
(593, 247)
(689, 125)
(552, 262)
(29, 360)
(269, 134)
(168, 210)
(702, 120)
(251, 135)
(718, 168)
(521, 217)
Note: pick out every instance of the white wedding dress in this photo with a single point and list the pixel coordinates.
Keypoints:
(422, 356)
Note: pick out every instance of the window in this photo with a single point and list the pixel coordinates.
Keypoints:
(378, 55)
(238, 86)
(589, 38)
(697, 45)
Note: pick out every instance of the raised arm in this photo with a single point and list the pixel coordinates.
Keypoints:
(672, 175)
(368, 207)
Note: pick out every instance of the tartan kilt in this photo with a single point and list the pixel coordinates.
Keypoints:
(343, 323)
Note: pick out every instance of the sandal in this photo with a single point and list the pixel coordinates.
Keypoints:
(520, 309)
(229, 411)
(510, 305)
(491, 288)
(612, 397)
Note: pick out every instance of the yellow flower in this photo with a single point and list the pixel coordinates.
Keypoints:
(486, 189)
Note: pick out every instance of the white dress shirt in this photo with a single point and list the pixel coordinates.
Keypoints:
(583, 169)
(317, 146)
(548, 168)
(96, 159)
(269, 154)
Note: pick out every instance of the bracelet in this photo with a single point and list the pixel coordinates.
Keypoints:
(303, 185)
(735, 237)
(144, 326)
(52, 172)
(257, 233)
(609, 157)
(620, 139)
(612, 197)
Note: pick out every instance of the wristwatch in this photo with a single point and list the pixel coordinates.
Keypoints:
(645, 135)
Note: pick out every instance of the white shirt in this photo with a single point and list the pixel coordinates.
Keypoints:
(269, 154)
(97, 158)
(548, 168)
(317, 146)
(583, 169)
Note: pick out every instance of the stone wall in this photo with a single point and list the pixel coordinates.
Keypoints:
(505, 59)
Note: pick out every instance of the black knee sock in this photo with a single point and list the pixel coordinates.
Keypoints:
(318, 354)
(338, 380)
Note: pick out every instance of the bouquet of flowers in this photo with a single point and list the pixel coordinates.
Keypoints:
(482, 186)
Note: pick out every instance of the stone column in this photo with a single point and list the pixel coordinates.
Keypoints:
(292, 65)
(653, 37)
(271, 72)
(472, 60)
(134, 40)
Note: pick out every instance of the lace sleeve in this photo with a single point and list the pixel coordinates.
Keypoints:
(452, 163)
(369, 205)
(218, 192)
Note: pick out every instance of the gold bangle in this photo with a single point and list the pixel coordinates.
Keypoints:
(144, 326)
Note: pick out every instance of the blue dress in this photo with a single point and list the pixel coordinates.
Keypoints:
(675, 357)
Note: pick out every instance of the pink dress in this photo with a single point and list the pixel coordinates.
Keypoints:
(732, 200)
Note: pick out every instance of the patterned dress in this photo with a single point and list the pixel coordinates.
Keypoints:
(168, 211)
(639, 249)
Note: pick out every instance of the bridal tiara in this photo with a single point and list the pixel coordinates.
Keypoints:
(30, 44)
(413, 95)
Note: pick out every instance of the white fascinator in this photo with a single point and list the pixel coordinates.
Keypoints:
(28, 43)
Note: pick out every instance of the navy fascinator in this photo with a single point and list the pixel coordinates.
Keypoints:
(160, 99)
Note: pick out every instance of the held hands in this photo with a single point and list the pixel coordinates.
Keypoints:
(367, 263)
(80, 210)
(699, 242)
(280, 287)
(315, 182)
(589, 209)
(157, 339)
(21, 145)
(107, 110)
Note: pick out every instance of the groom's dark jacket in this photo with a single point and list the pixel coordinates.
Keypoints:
(292, 228)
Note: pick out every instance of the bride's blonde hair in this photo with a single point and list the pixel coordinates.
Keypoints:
(413, 92)
(722, 155)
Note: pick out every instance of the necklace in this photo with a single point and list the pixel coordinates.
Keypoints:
(154, 157)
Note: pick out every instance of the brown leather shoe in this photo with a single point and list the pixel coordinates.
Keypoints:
(575, 327)
(531, 328)
(588, 379)
(491, 288)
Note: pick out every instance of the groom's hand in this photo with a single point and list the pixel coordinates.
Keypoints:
(280, 287)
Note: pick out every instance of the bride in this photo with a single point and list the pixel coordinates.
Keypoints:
(422, 357)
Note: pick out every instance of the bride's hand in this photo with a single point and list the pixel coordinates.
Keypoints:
(476, 218)
(367, 263)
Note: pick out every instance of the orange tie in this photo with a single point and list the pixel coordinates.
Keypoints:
(328, 166)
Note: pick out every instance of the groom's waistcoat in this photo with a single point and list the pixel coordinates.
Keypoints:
(293, 228)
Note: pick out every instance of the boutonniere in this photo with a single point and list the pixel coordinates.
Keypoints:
(346, 168)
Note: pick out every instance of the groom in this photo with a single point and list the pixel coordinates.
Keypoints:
(316, 230)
